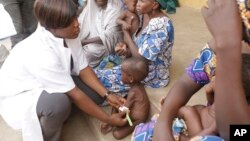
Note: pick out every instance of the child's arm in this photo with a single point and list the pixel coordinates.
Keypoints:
(131, 45)
(223, 21)
(121, 21)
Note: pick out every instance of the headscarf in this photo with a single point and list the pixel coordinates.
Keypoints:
(244, 7)
(168, 5)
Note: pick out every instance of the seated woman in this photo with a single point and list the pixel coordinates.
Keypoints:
(101, 33)
(37, 89)
(152, 42)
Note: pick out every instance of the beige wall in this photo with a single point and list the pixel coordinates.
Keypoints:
(193, 3)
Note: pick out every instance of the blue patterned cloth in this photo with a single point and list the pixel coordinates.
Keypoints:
(112, 79)
(109, 62)
(155, 44)
(145, 131)
(203, 67)
(178, 127)
(207, 138)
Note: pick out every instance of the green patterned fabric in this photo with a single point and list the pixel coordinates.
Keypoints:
(168, 5)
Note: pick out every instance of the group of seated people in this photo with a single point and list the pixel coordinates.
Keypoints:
(106, 52)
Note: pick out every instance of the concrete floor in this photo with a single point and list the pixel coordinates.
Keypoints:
(191, 35)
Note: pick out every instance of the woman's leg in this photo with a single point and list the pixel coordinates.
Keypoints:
(53, 110)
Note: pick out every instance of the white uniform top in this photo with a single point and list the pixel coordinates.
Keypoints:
(40, 62)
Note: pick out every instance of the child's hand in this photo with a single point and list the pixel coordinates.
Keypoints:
(121, 49)
(223, 21)
(118, 119)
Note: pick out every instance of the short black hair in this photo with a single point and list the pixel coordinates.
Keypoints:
(54, 14)
(136, 67)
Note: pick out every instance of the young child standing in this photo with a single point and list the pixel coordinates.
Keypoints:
(134, 70)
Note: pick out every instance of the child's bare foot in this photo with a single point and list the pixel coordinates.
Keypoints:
(105, 128)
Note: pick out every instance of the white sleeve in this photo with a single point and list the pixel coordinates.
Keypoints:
(51, 73)
(80, 60)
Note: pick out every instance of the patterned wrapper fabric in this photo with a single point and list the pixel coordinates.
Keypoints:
(244, 7)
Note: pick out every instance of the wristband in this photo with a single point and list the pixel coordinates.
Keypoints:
(106, 95)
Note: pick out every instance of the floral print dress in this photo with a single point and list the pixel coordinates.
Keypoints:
(154, 44)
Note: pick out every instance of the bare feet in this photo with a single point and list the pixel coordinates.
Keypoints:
(106, 128)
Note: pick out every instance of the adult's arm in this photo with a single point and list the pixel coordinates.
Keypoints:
(177, 97)
(223, 21)
(88, 76)
(84, 103)
(131, 45)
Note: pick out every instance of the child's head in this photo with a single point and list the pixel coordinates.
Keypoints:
(101, 3)
(131, 5)
(134, 70)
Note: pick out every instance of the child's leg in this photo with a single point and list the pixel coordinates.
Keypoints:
(192, 118)
(121, 132)
(105, 127)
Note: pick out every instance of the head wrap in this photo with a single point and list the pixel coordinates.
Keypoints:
(168, 5)
(244, 7)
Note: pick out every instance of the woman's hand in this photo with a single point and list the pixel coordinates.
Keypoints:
(116, 100)
(122, 50)
(118, 119)
(126, 26)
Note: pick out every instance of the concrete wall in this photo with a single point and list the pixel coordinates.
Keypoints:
(197, 4)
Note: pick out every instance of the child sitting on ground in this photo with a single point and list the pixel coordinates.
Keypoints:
(197, 119)
(128, 20)
(134, 70)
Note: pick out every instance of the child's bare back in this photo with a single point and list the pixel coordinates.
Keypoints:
(139, 106)
(140, 103)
